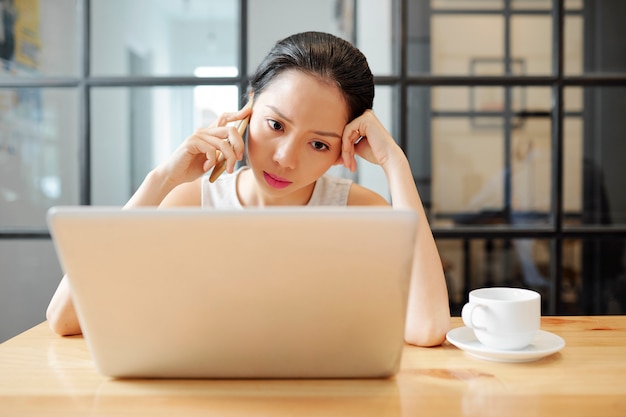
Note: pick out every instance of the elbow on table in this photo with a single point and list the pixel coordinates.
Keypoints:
(61, 324)
(428, 334)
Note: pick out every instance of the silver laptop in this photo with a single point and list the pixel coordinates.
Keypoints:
(257, 293)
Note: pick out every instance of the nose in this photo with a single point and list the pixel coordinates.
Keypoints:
(286, 154)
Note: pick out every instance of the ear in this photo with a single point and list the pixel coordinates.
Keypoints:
(339, 161)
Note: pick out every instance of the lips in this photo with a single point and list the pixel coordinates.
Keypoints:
(275, 181)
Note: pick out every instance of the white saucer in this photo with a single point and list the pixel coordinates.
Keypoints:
(544, 344)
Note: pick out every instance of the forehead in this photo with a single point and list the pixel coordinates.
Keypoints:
(299, 95)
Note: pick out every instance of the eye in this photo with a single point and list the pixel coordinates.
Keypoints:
(274, 125)
(319, 146)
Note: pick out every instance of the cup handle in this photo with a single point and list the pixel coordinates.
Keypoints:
(468, 315)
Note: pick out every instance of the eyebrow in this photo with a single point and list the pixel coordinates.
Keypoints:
(317, 132)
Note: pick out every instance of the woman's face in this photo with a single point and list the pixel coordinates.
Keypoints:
(294, 136)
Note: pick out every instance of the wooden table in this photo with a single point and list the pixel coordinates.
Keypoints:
(43, 374)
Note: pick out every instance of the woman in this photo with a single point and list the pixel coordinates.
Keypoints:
(310, 108)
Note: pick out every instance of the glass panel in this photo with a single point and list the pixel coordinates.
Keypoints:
(380, 46)
(467, 4)
(134, 129)
(467, 173)
(330, 16)
(573, 4)
(499, 4)
(531, 4)
(484, 100)
(454, 258)
(603, 33)
(544, 4)
(531, 167)
(30, 274)
(418, 147)
(573, 100)
(475, 263)
(531, 45)
(370, 175)
(572, 170)
(573, 45)
(38, 154)
(451, 53)
(471, 182)
(573, 156)
(594, 277)
(164, 37)
(418, 37)
(39, 38)
(593, 159)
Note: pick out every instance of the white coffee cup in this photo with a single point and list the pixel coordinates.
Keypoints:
(503, 317)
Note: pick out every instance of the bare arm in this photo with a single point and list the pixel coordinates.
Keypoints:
(176, 182)
(428, 315)
(61, 314)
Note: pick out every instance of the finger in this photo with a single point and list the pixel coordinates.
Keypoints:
(347, 149)
(236, 139)
(218, 169)
(218, 136)
(203, 148)
(225, 118)
(227, 157)
(229, 137)
(226, 148)
(211, 160)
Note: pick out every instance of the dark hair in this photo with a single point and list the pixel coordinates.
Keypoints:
(325, 56)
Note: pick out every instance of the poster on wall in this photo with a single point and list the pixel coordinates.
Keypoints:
(20, 46)
(22, 131)
(20, 39)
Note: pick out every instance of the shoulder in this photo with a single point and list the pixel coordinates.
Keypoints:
(330, 191)
(185, 194)
(361, 196)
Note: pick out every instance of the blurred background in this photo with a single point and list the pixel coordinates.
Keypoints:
(511, 113)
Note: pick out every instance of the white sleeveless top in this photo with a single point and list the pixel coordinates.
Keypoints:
(328, 191)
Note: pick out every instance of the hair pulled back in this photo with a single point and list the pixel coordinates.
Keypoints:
(325, 56)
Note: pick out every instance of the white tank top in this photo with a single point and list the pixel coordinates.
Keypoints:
(328, 191)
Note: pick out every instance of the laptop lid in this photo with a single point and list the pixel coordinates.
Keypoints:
(300, 292)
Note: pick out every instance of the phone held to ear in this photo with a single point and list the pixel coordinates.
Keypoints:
(220, 165)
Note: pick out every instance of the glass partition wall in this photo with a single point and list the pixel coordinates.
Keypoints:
(510, 112)
(520, 105)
